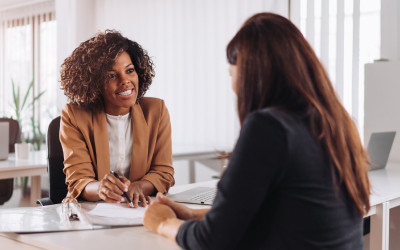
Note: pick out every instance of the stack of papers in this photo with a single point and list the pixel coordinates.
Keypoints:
(108, 214)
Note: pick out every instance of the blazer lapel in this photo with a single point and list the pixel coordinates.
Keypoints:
(100, 132)
(140, 144)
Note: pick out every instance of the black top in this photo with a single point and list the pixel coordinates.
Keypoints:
(277, 193)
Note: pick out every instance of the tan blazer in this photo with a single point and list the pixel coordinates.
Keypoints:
(84, 139)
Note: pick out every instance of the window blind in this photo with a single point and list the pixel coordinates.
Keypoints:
(27, 48)
(345, 35)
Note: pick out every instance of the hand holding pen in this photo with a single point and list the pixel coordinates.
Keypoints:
(111, 189)
(116, 189)
(124, 193)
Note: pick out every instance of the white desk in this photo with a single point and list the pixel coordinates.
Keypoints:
(193, 154)
(34, 167)
(385, 196)
(117, 238)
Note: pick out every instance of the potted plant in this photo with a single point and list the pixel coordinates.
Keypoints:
(19, 106)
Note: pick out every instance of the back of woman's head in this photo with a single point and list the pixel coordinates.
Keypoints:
(276, 67)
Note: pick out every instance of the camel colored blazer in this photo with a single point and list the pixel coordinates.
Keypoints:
(84, 139)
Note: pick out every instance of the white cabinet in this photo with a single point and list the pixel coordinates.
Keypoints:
(382, 102)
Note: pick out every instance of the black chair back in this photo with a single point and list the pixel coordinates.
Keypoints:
(58, 188)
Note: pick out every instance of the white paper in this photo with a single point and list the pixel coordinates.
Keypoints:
(102, 213)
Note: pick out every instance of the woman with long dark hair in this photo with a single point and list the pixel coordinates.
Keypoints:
(297, 178)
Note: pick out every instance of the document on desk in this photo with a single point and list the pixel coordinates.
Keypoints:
(109, 214)
(37, 220)
(92, 215)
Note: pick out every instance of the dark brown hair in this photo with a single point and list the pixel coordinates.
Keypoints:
(84, 73)
(277, 67)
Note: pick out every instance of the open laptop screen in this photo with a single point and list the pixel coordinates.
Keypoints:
(379, 147)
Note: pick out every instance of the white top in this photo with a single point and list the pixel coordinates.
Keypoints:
(120, 140)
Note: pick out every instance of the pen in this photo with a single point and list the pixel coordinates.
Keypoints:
(125, 194)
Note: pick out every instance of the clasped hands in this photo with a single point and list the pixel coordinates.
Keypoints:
(165, 217)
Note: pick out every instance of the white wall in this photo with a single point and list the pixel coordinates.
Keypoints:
(390, 29)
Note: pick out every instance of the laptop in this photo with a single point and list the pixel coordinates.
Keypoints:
(197, 195)
(4, 137)
(378, 149)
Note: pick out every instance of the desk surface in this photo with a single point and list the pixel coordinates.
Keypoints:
(117, 238)
(36, 160)
(385, 184)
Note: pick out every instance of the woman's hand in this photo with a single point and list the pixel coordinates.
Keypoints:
(161, 219)
(137, 193)
(182, 212)
(155, 214)
(111, 188)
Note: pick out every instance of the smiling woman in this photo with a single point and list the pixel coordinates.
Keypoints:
(109, 126)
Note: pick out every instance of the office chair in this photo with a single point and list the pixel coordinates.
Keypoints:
(7, 185)
(55, 165)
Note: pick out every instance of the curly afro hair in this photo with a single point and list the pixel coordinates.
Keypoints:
(84, 73)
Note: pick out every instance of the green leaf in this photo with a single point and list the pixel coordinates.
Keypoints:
(13, 91)
(27, 94)
(16, 100)
(17, 105)
(36, 98)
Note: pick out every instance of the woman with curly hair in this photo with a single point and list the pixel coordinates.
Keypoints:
(298, 177)
(109, 126)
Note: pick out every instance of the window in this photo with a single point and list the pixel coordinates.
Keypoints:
(345, 35)
(28, 54)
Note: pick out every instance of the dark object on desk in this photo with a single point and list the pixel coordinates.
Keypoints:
(378, 149)
(7, 185)
(55, 165)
